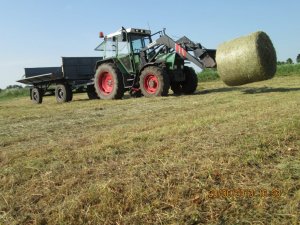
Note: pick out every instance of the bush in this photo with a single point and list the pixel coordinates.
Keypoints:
(288, 69)
(14, 92)
(208, 75)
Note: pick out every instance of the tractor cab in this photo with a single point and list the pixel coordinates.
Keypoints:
(125, 46)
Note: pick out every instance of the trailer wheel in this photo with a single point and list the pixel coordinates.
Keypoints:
(91, 92)
(70, 94)
(63, 93)
(36, 95)
(109, 82)
(154, 81)
(190, 84)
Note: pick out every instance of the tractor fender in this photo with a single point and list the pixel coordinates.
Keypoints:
(149, 64)
(109, 60)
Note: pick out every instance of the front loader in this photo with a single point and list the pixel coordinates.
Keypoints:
(133, 62)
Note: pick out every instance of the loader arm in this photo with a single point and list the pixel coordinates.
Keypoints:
(204, 58)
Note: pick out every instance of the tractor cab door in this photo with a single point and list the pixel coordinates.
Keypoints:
(138, 42)
(124, 54)
(117, 47)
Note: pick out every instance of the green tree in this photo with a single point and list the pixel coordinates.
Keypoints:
(298, 58)
(14, 86)
(280, 63)
(289, 61)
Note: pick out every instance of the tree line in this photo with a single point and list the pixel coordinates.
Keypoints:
(15, 86)
(289, 61)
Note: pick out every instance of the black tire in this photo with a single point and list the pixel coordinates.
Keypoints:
(154, 81)
(109, 82)
(36, 95)
(91, 92)
(135, 93)
(176, 88)
(63, 93)
(70, 93)
(190, 84)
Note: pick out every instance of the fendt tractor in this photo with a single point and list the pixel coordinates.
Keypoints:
(129, 60)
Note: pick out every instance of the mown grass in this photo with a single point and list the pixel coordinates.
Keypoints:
(154, 161)
(282, 70)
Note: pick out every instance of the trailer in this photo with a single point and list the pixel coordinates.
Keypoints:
(75, 75)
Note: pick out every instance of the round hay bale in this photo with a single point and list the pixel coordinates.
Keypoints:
(246, 59)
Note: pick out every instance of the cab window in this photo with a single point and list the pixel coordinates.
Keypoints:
(107, 48)
(139, 42)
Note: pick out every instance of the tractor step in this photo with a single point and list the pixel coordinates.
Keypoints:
(129, 82)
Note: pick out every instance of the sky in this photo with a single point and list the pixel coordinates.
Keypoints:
(37, 33)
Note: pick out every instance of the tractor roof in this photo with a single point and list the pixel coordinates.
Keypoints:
(129, 30)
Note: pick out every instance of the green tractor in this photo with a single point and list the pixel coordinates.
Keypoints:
(133, 62)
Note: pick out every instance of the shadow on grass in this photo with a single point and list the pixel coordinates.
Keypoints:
(217, 90)
(268, 90)
(245, 90)
(83, 100)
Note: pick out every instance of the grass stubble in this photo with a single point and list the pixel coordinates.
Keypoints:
(154, 161)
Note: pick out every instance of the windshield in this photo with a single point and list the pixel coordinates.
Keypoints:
(139, 42)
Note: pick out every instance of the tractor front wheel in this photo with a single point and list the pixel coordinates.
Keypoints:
(154, 81)
(176, 88)
(109, 82)
(190, 84)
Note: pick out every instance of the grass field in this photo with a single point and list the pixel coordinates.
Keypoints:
(225, 155)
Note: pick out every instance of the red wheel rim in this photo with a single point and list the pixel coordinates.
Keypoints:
(106, 83)
(151, 83)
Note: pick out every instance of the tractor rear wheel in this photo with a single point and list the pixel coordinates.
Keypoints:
(190, 84)
(36, 95)
(109, 82)
(154, 81)
(63, 93)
